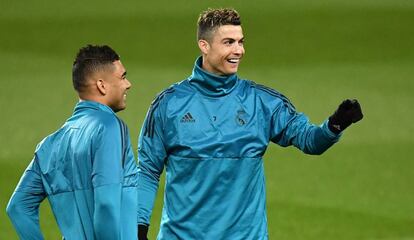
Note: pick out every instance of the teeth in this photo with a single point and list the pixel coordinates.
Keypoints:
(233, 60)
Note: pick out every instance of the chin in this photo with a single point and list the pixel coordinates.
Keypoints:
(119, 108)
(231, 72)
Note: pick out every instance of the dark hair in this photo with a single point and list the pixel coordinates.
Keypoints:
(211, 19)
(91, 59)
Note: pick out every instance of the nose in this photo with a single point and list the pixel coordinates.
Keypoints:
(239, 49)
(129, 85)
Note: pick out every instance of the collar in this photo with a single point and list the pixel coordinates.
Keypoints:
(83, 104)
(211, 84)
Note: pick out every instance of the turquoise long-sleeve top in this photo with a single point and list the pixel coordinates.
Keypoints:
(210, 133)
(87, 171)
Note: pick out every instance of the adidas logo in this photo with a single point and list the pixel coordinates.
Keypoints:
(187, 118)
(337, 127)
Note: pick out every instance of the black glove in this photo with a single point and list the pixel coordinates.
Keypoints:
(348, 112)
(142, 232)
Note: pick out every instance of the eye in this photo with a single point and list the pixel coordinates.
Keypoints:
(228, 42)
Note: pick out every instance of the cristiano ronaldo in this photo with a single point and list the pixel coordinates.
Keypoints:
(210, 132)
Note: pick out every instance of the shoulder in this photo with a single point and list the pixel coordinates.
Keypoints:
(107, 127)
(94, 122)
(43, 144)
(262, 90)
(177, 90)
(268, 95)
(164, 95)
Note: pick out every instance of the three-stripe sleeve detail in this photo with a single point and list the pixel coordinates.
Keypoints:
(150, 122)
(124, 140)
(277, 94)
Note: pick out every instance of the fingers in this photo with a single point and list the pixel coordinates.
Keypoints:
(346, 104)
(357, 112)
(354, 109)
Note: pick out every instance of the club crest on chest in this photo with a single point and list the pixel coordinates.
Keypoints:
(241, 117)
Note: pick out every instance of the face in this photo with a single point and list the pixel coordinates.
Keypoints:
(116, 85)
(222, 54)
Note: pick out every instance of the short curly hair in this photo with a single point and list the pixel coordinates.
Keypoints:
(211, 19)
(91, 59)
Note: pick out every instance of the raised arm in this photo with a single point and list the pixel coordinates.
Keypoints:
(293, 128)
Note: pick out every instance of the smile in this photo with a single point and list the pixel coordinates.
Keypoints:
(233, 60)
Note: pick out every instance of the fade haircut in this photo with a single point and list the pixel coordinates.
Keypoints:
(89, 60)
(211, 19)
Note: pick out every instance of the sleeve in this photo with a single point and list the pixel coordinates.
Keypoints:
(151, 157)
(107, 174)
(23, 207)
(292, 128)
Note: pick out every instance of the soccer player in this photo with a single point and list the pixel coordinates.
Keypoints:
(86, 169)
(210, 132)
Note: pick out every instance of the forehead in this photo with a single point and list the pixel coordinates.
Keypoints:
(228, 31)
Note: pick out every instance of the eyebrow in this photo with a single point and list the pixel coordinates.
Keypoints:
(226, 39)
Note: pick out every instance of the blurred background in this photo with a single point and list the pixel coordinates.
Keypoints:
(315, 52)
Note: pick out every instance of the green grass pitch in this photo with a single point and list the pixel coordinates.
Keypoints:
(315, 52)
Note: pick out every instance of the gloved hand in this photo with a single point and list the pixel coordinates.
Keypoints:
(348, 112)
(142, 232)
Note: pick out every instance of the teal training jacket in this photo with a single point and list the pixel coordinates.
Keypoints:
(210, 133)
(87, 171)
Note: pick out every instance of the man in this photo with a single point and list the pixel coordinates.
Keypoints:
(210, 131)
(86, 169)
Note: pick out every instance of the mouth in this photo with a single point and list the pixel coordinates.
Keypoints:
(233, 60)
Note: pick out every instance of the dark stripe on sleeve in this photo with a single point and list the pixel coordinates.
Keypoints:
(124, 130)
(150, 122)
(277, 94)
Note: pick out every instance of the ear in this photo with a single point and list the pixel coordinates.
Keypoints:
(204, 46)
(100, 85)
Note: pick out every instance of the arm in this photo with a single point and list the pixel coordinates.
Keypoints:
(107, 177)
(23, 207)
(151, 156)
(292, 128)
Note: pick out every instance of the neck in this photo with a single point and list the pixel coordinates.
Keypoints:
(209, 83)
(207, 67)
(92, 97)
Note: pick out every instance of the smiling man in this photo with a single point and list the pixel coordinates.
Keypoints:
(86, 169)
(210, 132)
